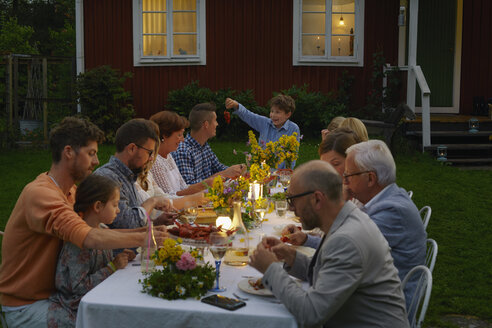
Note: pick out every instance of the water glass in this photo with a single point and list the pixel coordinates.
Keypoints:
(281, 207)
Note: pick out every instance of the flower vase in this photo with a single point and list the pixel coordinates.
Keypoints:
(237, 254)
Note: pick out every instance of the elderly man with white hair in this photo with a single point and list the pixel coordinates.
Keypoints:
(370, 175)
(353, 282)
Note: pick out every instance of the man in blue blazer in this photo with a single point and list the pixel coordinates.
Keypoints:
(370, 175)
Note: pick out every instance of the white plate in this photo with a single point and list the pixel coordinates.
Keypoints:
(247, 288)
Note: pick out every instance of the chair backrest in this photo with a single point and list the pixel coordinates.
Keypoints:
(430, 257)
(425, 213)
(410, 193)
(420, 299)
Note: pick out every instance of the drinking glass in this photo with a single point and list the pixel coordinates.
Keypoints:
(285, 180)
(281, 207)
(190, 213)
(261, 207)
(218, 246)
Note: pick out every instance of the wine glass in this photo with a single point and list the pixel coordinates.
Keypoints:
(284, 180)
(190, 213)
(218, 246)
(261, 206)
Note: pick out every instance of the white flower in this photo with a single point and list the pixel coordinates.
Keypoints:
(181, 290)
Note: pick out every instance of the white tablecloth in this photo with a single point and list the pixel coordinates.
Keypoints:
(119, 302)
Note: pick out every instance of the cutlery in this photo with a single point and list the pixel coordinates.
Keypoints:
(240, 298)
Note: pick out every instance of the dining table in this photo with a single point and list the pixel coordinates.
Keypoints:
(119, 301)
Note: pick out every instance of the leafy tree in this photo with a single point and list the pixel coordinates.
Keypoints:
(16, 38)
(104, 100)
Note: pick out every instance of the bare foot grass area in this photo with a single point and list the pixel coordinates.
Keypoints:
(461, 222)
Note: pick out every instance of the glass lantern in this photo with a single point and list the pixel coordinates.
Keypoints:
(473, 125)
(442, 153)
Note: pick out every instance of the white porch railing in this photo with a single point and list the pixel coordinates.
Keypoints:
(417, 75)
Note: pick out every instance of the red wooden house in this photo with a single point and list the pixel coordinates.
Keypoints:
(270, 45)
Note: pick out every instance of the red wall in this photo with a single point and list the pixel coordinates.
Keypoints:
(476, 59)
(249, 46)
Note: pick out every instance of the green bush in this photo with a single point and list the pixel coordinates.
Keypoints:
(104, 100)
(314, 110)
(183, 100)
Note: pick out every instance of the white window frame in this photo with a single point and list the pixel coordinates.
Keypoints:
(328, 60)
(170, 60)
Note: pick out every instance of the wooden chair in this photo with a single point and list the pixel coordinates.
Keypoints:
(420, 299)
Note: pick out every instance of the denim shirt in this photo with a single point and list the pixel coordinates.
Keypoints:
(268, 131)
(131, 215)
(196, 162)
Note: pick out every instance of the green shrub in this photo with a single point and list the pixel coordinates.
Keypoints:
(104, 100)
(314, 110)
(183, 100)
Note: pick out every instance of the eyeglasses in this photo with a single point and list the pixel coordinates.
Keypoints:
(290, 198)
(149, 151)
(346, 176)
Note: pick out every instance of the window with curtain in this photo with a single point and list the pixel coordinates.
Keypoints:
(169, 32)
(328, 32)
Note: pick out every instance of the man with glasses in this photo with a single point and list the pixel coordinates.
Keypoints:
(135, 143)
(370, 177)
(353, 282)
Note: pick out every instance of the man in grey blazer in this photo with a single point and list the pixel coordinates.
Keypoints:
(353, 282)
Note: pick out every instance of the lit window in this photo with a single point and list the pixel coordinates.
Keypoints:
(169, 32)
(328, 32)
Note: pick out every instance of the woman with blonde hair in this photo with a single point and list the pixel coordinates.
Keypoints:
(335, 123)
(357, 127)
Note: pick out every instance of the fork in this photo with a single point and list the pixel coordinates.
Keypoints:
(239, 297)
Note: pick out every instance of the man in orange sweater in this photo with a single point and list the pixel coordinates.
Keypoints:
(43, 218)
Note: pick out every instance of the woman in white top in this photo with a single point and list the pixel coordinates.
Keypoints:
(164, 170)
(147, 187)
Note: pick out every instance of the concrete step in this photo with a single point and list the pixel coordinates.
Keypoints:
(462, 146)
(451, 133)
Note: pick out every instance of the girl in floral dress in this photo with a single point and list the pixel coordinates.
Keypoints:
(80, 270)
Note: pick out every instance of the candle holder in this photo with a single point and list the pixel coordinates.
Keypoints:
(442, 153)
(473, 124)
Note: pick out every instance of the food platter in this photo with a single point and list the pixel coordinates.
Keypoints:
(246, 287)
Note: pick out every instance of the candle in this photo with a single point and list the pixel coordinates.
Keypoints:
(224, 221)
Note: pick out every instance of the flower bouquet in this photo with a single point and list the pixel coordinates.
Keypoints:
(286, 149)
(180, 276)
(222, 194)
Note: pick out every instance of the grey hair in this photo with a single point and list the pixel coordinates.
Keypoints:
(374, 155)
(320, 175)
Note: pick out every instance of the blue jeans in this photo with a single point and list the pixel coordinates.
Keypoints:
(33, 316)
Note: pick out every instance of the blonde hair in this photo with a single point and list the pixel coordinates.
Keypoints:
(356, 126)
(335, 123)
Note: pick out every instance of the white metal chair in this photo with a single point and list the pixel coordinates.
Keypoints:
(430, 257)
(425, 213)
(420, 299)
(410, 193)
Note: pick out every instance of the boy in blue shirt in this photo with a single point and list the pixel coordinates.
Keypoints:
(270, 129)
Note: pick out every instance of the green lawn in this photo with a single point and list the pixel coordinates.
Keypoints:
(461, 219)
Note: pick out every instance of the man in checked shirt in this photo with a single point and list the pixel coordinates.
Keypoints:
(195, 159)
